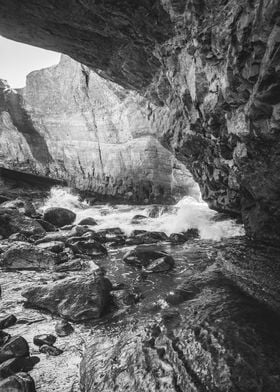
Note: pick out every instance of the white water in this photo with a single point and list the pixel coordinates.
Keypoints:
(187, 213)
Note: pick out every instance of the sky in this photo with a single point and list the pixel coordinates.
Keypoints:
(17, 60)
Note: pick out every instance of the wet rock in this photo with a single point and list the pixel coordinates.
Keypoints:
(59, 216)
(20, 382)
(49, 227)
(143, 256)
(148, 237)
(15, 365)
(177, 238)
(75, 298)
(40, 340)
(12, 221)
(4, 337)
(24, 256)
(52, 246)
(63, 236)
(16, 347)
(91, 248)
(116, 241)
(63, 328)
(162, 264)
(50, 350)
(23, 206)
(191, 234)
(154, 211)
(7, 321)
(88, 222)
(137, 218)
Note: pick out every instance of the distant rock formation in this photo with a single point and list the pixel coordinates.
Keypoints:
(71, 124)
(213, 64)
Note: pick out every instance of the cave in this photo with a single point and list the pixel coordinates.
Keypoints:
(151, 101)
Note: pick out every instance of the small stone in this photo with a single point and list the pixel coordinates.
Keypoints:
(63, 328)
(40, 340)
(50, 350)
(7, 321)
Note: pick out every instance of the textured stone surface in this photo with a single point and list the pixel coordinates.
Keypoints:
(75, 298)
(213, 65)
(70, 124)
(221, 337)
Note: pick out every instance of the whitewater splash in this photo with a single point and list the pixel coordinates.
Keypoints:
(187, 213)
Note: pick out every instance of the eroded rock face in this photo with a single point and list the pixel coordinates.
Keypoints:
(71, 124)
(214, 67)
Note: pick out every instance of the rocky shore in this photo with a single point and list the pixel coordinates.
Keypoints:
(89, 309)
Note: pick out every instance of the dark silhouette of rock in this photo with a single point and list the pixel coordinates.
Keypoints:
(59, 216)
(50, 350)
(88, 221)
(16, 347)
(7, 321)
(15, 365)
(20, 382)
(40, 340)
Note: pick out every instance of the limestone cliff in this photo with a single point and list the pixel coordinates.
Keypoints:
(71, 124)
(214, 65)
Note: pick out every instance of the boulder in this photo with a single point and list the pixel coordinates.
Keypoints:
(63, 328)
(20, 382)
(138, 218)
(16, 347)
(143, 256)
(88, 222)
(12, 221)
(24, 256)
(15, 365)
(50, 350)
(59, 216)
(76, 298)
(40, 340)
(7, 321)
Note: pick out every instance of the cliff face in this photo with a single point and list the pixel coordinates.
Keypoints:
(69, 123)
(214, 68)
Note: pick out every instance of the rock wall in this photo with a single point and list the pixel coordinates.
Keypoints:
(214, 67)
(69, 123)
